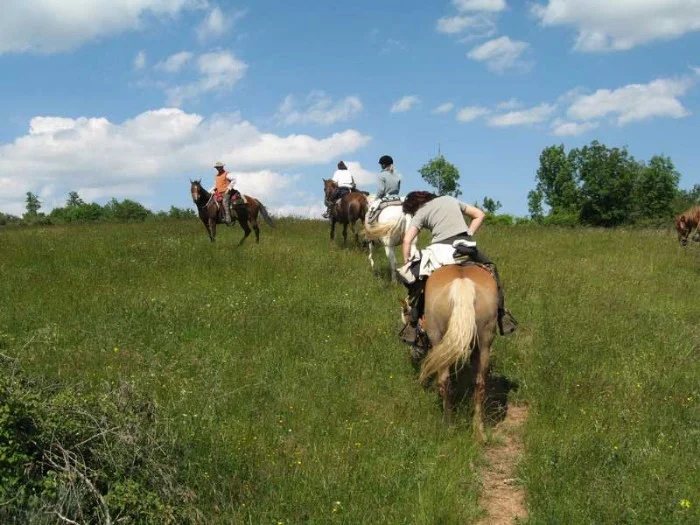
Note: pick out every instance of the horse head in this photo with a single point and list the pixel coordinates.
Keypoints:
(328, 186)
(683, 229)
(196, 190)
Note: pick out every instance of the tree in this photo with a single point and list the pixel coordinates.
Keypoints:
(74, 200)
(442, 175)
(607, 178)
(556, 181)
(534, 205)
(656, 188)
(33, 204)
(685, 199)
(491, 206)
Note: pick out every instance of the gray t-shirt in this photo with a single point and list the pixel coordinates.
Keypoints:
(442, 216)
(389, 183)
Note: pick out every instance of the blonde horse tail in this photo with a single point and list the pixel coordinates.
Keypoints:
(457, 342)
(379, 231)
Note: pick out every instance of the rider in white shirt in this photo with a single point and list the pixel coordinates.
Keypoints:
(343, 178)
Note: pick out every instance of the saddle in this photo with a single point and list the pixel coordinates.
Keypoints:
(384, 203)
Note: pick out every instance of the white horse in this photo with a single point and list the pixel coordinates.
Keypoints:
(389, 229)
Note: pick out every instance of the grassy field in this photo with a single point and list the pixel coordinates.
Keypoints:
(278, 367)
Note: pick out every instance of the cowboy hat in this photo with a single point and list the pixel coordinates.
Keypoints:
(219, 165)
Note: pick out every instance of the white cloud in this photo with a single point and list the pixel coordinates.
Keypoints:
(512, 103)
(605, 25)
(174, 63)
(406, 103)
(445, 107)
(318, 108)
(220, 71)
(563, 128)
(500, 54)
(470, 113)
(64, 153)
(361, 175)
(50, 26)
(478, 26)
(217, 23)
(523, 117)
(480, 5)
(634, 102)
(139, 60)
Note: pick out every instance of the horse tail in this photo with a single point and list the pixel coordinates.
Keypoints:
(457, 342)
(265, 215)
(386, 229)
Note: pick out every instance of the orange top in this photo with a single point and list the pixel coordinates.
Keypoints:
(222, 182)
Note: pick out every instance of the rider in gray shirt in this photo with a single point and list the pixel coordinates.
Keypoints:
(389, 183)
(444, 217)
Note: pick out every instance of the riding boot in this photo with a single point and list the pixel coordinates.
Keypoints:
(227, 209)
(327, 214)
(506, 322)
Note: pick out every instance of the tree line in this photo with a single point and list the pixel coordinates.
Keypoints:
(600, 186)
(77, 210)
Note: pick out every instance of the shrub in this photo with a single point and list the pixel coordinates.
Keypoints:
(89, 457)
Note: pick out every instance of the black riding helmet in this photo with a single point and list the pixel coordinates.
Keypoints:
(385, 161)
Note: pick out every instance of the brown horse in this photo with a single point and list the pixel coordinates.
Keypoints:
(351, 208)
(210, 214)
(461, 311)
(686, 222)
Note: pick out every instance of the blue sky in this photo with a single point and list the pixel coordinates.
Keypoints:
(132, 98)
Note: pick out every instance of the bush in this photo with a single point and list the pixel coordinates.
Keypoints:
(87, 457)
(561, 219)
(502, 220)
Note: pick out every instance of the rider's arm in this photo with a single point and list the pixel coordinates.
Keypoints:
(408, 238)
(475, 214)
(381, 187)
(232, 178)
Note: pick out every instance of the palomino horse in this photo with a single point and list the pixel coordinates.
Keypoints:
(686, 222)
(245, 215)
(389, 229)
(351, 208)
(461, 311)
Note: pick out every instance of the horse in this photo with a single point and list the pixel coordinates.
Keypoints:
(389, 229)
(351, 208)
(461, 312)
(245, 215)
(686, 222)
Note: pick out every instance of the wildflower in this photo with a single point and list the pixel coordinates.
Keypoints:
(684, 503)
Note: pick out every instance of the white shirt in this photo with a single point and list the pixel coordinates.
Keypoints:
(343, 178)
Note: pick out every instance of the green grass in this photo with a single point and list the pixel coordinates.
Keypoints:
(278, 367)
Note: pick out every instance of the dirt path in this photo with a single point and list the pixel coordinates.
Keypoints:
(503, 498)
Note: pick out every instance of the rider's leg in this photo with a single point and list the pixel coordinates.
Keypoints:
(227, 208)
(506, 322)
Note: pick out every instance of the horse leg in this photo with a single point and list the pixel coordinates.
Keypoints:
(246, 230)
(444, 389)
(354, 231)
(256, 229)
(482, 364)
(332, 230)
(371, 260)
(345, 235)
(212, 229)
(391, 255)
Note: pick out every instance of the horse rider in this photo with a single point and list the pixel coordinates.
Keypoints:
(444, 217)
(346, 183)
(224, 183)
(388, 184)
